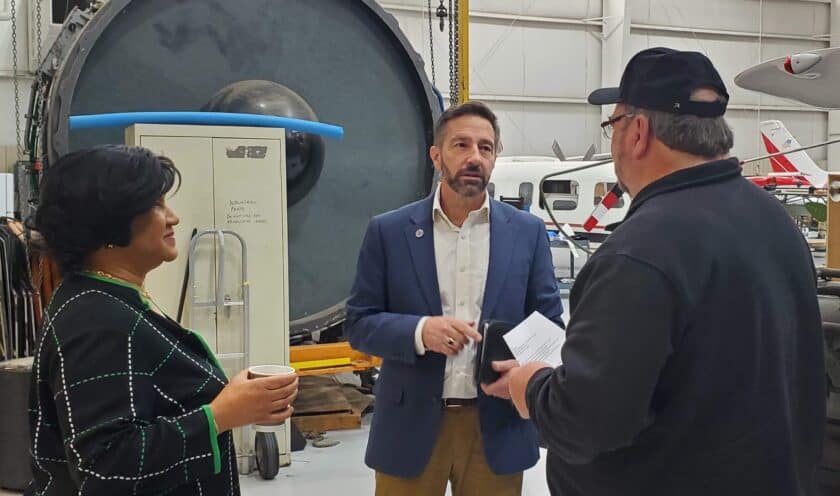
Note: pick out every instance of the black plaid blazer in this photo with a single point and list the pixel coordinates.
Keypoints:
(118, 402)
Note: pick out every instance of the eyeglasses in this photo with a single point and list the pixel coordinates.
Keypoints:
(607, 125)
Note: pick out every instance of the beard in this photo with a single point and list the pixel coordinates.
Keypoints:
(457, 184)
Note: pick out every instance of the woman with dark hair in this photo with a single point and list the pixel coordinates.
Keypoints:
(123, 399)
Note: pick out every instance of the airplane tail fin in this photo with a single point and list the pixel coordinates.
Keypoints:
(776, 139)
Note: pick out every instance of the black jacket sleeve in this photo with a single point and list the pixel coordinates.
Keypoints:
(618, 340)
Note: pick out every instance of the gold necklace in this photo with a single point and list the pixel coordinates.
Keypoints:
(154, 306)
(142, 290)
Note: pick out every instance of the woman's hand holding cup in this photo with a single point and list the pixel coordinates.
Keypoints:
(263, 394)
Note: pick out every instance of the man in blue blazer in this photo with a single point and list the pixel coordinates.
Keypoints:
(428, 273)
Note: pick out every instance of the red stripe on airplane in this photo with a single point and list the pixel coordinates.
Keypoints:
(780, 163)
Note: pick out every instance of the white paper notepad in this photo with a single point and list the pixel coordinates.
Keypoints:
(536, 339)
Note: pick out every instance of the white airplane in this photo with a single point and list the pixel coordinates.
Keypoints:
(572, 197)
(580, 198)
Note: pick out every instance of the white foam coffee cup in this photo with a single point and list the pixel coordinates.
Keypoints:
(269, 370)
(257, 371)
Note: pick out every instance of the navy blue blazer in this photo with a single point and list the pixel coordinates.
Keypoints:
(396, 284)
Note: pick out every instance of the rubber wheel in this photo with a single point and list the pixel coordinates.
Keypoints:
(267, 455)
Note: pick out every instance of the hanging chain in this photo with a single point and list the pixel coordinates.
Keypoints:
(431, 44)
(456, 42)
(38, 39)
(15, 81)
(451, 61)
(453, 56)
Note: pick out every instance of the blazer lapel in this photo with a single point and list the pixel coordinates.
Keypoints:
(419, 235)
(502, 241)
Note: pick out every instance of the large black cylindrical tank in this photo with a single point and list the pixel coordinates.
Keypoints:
(346, 60)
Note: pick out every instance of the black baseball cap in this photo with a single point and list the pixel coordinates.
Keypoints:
(663, 79)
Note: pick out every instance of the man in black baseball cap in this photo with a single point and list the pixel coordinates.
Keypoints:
(693, 360)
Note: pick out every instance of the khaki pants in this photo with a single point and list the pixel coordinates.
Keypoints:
(458, 457)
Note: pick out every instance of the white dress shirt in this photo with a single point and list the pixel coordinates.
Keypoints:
(462, 255)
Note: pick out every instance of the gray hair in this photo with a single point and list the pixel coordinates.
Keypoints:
(700, 136)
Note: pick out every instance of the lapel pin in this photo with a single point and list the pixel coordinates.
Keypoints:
(419, 233)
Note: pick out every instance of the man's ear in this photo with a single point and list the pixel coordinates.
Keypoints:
(434, 154)
(642, 134)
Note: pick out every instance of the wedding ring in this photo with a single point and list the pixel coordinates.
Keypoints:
(450, 341)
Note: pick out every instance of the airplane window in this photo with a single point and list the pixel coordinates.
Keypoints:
(561, 187)
(526, 191)
(562, 195)
(601, 190)
(564, 205)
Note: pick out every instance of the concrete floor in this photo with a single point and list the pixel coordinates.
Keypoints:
(342, 469)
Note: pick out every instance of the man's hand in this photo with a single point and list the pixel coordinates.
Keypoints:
(448, 336)
(499, 388)
(518, 385)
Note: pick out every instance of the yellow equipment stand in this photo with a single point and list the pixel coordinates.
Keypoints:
(331, 358)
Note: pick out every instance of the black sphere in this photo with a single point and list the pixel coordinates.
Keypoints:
(304, 151)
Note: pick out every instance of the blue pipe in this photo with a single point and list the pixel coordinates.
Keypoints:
(125, 119)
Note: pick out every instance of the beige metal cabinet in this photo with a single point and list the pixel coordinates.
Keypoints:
(232, 178)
